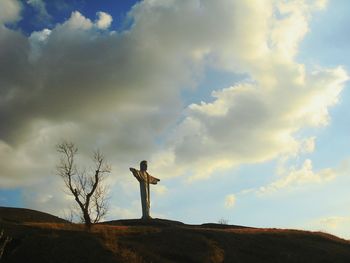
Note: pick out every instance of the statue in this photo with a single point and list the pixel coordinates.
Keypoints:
(144, 179)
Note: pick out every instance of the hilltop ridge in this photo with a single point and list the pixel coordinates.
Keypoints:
(160, 240)
(21, 215)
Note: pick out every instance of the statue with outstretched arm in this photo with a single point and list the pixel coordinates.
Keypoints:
(145, 179)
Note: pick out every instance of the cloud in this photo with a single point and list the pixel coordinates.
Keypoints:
(48, 195)
(308, 145)
(336, 225)
(333, 222)
(293, 178)
(40, 7)
(104, 20)
(121, 91)
(123, 213)
(230, 201)
(160, 190)
(258, 119)
(22, 166)
(300, 177)
(37, 40)
(9, 11)
(320, 4)
(76, 22)
(250, 123)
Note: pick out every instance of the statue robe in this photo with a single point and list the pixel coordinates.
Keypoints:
(144, 179)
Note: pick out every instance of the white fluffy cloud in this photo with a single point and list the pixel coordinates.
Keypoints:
(76, 22)
(256, 120)
(230, 201)
(300, 177)
(121, 92)
(104, 20)
(291, 178)
(249, 123)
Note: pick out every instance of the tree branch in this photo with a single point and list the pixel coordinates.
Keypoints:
(88, 192)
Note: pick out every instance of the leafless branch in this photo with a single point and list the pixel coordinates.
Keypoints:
(88, 191)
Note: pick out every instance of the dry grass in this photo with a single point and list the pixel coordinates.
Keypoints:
(56, 226)
(109, 236)
(137, 244)
(251, 231)
(111, 239)
(163, 241)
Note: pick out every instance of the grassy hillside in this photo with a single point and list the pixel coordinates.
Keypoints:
(20, 215)
(165, 241)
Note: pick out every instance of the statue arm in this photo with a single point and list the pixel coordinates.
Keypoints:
(135, 173)
(153, 180)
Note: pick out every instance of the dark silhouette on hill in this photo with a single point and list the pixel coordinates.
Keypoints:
(160, 240)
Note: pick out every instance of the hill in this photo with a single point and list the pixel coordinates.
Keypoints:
(160, 240)
(21, 215)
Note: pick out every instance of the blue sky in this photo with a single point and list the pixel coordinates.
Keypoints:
(58, 11)
(243, 118)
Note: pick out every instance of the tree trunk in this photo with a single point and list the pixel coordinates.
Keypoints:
(87, 220)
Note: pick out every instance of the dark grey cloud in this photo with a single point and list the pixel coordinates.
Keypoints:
(78, 72)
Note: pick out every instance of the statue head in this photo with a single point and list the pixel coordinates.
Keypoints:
(143, 165)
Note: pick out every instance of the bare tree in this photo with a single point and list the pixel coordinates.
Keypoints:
(223, 221)
(87, 188)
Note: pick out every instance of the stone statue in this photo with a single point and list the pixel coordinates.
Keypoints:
(144, 179)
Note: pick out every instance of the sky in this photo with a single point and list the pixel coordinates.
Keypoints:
(240, 107)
